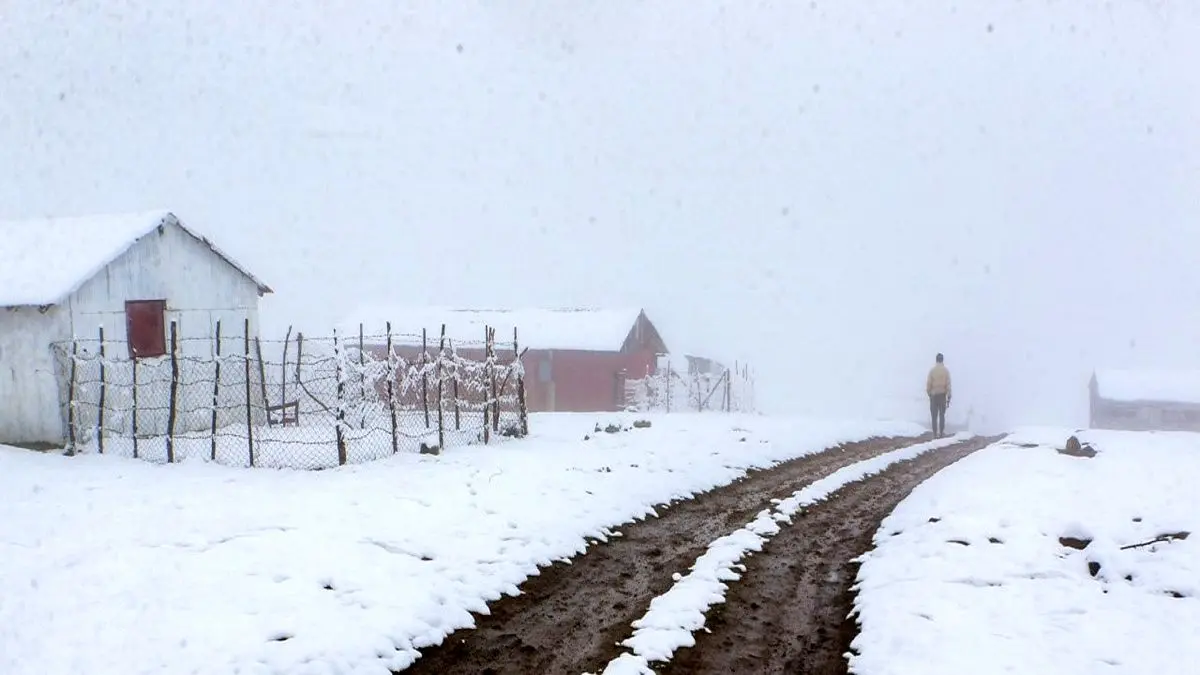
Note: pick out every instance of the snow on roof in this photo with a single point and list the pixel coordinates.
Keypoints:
(1176, 386)
(582, 329)
(43, 261)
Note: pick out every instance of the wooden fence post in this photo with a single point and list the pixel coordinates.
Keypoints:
(522, 410)
(103, 394)
(487, 427)
(173, 400)
(441, 389)
(262, 376)
(71, 397)
(424, 375)
(283, 399)
(341, 401)
(728, 391)
(216, 394)
(299, 360)
(362, 379)
(391, 376)
(495, 390)
(249, 410)
(454, 386)
(669, 383)
(134, 412)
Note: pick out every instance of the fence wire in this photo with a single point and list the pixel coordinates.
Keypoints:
(306, 403)
(670, 389)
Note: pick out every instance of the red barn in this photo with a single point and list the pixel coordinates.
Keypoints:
(575, 360)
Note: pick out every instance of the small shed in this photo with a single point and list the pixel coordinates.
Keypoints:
(131, 274)
(1145, 400)
(575, 360)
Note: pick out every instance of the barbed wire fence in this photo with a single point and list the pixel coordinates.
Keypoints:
(301, 402)
(671, 389)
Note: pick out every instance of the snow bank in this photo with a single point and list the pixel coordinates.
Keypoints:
(969, 573)
(675, 615)
(110, 565)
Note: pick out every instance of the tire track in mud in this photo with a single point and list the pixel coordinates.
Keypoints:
(789, 612)
(570, 617)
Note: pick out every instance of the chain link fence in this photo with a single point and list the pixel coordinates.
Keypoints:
(301, 402)
(671, 388)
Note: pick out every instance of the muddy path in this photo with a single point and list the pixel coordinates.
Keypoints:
(788, 613)
(570, 617)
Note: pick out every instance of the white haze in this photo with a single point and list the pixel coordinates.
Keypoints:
(832, 190)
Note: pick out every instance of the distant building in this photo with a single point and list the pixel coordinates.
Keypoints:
(1140, 400)
(575, 360)
(130, 274)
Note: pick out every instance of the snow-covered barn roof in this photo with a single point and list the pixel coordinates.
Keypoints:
(1158, 386)
(43, 261)
(581, 329)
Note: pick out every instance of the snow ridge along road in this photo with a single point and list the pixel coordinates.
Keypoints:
(790, 613)
(569, 618)
(673, 616)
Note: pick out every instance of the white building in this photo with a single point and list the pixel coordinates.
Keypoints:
(1144, 400)
(130, 274)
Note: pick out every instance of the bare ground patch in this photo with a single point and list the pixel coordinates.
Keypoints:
(789, 612)
(570, 617)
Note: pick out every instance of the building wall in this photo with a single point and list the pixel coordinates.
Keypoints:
(560, 380)
(29, 399)
(563, 380)
(578, 381)
(1146, 416)
(199, 288)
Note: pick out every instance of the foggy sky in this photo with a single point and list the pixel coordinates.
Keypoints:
(832, 190)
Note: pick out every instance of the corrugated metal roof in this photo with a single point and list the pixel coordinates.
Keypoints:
(43, 261)
(579, 329)
(1158, 386)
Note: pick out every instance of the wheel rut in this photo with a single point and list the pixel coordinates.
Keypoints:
(789, 612)
(569, 618)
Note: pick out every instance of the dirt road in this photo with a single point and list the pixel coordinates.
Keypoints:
(788, 612)
(569, 619)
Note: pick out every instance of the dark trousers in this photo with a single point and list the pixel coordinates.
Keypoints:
(937, 411)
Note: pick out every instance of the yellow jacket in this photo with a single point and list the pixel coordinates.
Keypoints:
(938, 381)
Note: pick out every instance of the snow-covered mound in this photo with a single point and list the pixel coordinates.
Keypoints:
(1023, 559)
(117, 566)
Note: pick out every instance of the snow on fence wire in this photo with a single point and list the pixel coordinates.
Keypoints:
(674, 389)
(301, 402)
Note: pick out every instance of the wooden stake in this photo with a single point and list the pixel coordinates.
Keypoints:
(341, 402)
(299, 359)
(487, 427)
(457, 416)
(216, 394)
(362, 377)
(249, 410)
(492, 371)
(391, 376)
(283, 399)
(262, 379)
(424, 375)
(103, 393)
(71, 398)
(135, 407)
(441, 414)
(522, 410)
(173, 400)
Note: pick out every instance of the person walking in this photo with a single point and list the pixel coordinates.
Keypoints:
(937, 387)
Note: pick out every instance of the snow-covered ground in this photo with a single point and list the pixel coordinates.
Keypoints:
(674, 616)
(118, 566)
(969, 574)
